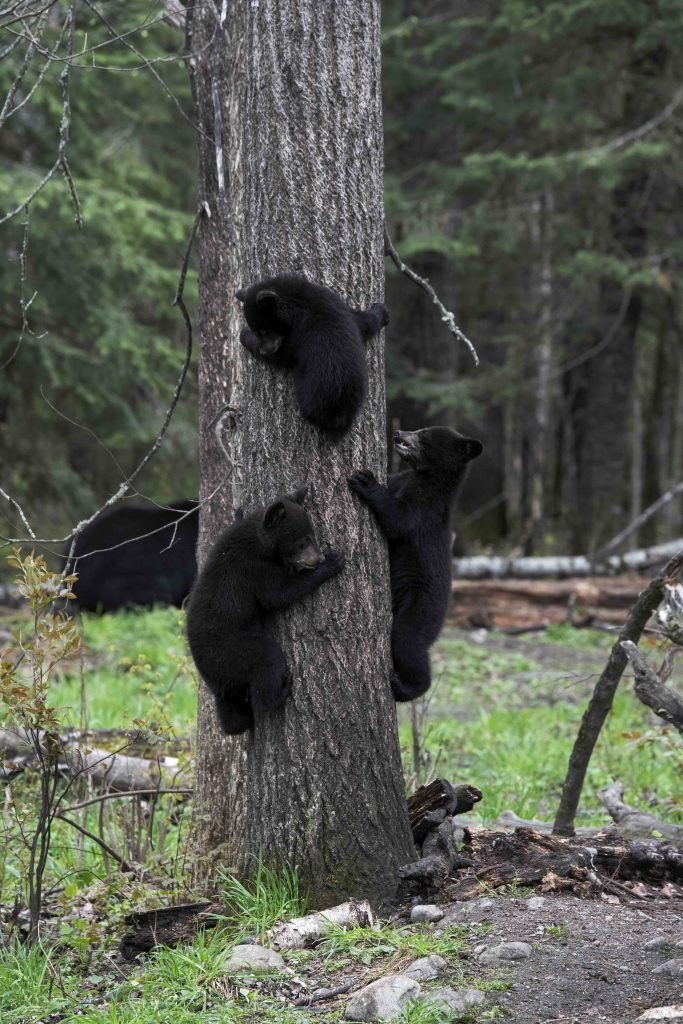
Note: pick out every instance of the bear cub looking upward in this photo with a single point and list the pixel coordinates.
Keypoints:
(303, 327)
(262, 563)
(414, 512)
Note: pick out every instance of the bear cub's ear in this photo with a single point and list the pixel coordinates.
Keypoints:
(275, 513)
(473, 448)
(268, 302)
(241, 294)
(299, 494)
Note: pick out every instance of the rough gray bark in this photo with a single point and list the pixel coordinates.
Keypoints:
(295, 90)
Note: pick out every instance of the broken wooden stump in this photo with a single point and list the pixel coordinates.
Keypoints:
(430, 805)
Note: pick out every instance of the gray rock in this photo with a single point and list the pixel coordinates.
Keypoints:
(671, 967)
(474, 910)
(253, 958)
(426, 968)
(382, 999)
(506, 951)
(536, 902)
(454, 1000)
(660, 942)
(421, 914)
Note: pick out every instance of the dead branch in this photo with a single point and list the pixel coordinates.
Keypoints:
(321, 994)
(634, 823)
(123, 864)
(603, 694)
(648, 513)
(651, 691)
(447, 317)
(118, 794)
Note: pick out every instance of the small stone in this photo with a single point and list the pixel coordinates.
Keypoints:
(536, 902)
(506, 951)
(253, 958)
(672, 967)
(660, 942)
(454, 1000)
(422, 914)
(426, 968)
(655, 1013)
(382, 999)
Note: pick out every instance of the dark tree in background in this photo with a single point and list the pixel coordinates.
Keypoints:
(290, 151)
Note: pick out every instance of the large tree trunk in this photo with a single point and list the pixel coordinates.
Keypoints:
(297, 93)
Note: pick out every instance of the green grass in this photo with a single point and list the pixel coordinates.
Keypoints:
(366, 944)
(255, 906)
(137, 666)
(506, 724)
(32, 985)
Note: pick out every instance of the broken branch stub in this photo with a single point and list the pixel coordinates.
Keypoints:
(303, 931)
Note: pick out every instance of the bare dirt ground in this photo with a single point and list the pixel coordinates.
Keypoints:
(588, 961)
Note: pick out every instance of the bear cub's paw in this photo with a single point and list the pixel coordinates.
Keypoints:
(361, 480)
(382, 312)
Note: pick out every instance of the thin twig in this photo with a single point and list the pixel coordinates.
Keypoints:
(114, 795)
(321, 994)
(447, 317)
(123, 864)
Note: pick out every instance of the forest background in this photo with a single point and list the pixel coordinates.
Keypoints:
(533, 174)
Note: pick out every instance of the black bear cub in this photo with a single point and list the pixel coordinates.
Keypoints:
(413, 512)
(303, 327)
(262, 563)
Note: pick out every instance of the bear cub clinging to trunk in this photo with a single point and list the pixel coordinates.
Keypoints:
(262, 563)
(414, 512)
(297, 325)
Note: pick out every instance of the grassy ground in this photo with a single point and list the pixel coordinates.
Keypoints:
(502, 715)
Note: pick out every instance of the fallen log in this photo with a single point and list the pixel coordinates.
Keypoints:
(518, 605)
(528, 858)
(300, 932)
(167, 926)
(107, 769)
(496, 567)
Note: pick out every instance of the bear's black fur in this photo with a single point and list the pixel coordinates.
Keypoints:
(303, 327)
(414, 513)
(262, 563)
(131, 568)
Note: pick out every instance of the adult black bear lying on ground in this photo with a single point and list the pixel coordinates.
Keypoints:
(414, 512)
(262, 563)
(145, 556)
(296, 325)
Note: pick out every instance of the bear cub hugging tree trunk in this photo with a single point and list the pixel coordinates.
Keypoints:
(261, 564)
(297, 325)
(414, 513)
